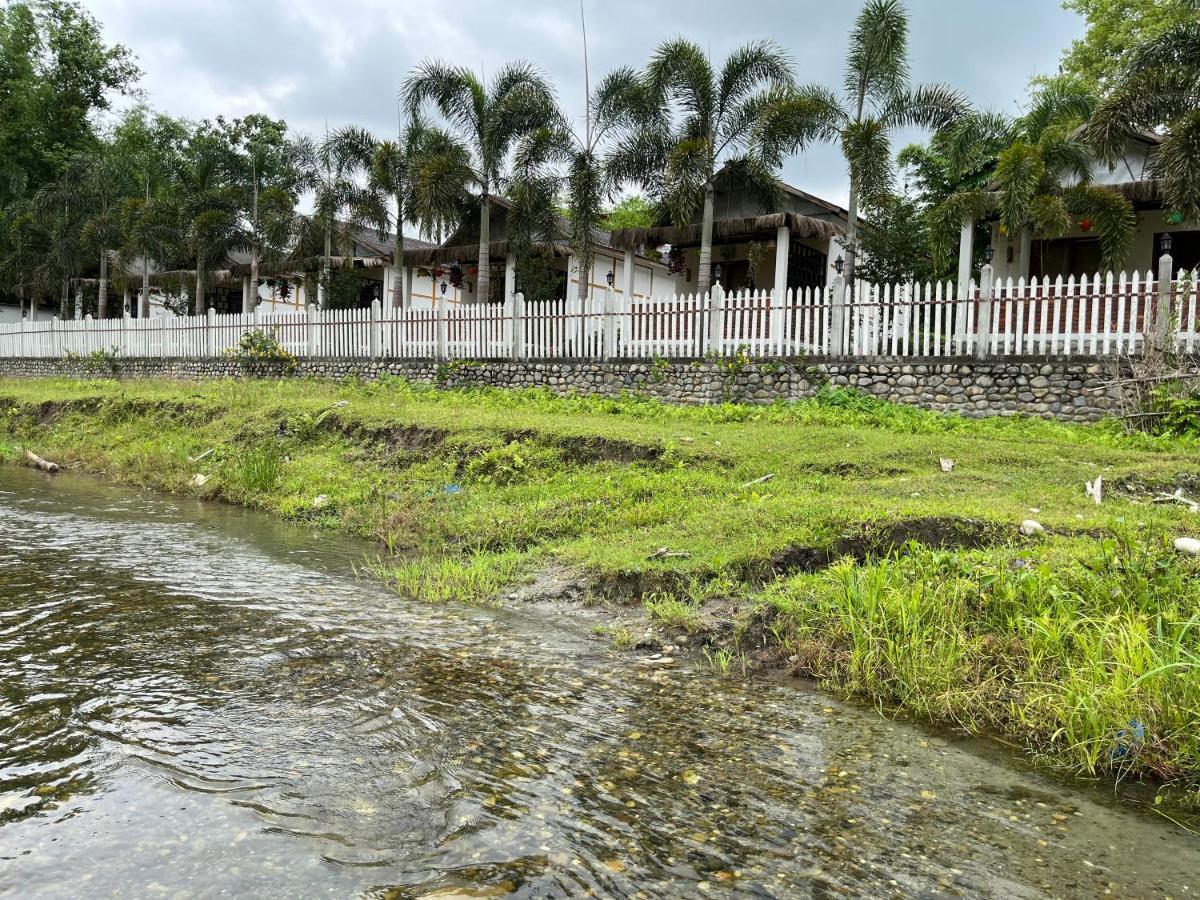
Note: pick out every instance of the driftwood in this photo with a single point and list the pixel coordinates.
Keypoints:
(1178, 497)
(44, 464)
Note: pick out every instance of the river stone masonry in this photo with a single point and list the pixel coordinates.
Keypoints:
(1071, 389)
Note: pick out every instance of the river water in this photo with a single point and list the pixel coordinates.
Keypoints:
(199, 701)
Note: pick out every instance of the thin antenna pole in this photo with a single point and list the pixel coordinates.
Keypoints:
(587, 89)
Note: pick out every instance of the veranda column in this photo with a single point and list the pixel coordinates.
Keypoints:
(1026, 243)
(966, 249)
(510, 276)
(125, 300)
(627, 275)
(783, 249)
(247, 303)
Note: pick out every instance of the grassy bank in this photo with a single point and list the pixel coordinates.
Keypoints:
(858, 561)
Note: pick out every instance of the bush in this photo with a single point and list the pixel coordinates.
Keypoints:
(263, 346)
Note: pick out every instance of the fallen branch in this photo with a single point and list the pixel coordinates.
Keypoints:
(205, 455)
(44, 464)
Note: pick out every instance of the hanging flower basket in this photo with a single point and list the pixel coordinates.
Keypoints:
(456, 276)
(1086, 225)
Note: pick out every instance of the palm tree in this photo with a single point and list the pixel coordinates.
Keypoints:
(1160, 86)
(424, 172)
(695, 124)
(489, 120)
(877, 101)
(206, 205)
(336, 170)
(95, 186)
(1040, 173)
(582, 175)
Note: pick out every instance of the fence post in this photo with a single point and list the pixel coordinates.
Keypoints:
(1162, 312)
(837, 317)
(125, 331)
(983, 330)
(716, 319)
(518, 326)
(610, 325)
(21, 351)
(441, 328)
(210, 332)
(376, 336)
(312, 329)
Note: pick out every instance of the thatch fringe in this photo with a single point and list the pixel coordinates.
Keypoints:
(429, 256)
(802, 226)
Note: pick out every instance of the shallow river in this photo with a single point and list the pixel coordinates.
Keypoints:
(196, 700)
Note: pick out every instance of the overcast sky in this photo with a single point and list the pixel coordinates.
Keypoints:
(311, 60)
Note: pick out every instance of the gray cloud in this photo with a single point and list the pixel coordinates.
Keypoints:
(312, 60)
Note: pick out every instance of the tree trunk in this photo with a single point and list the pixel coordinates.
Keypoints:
(65, 300)
(102, 295)
(851, 235)
(252, 300)
(704, 275)
(326, 273)
(483, 283)
(144, 300)
(585, 272)
(198, 300)
(398, 299)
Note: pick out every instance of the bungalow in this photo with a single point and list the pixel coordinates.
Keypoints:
(456, 262)
(793, 245)
(1078, 252)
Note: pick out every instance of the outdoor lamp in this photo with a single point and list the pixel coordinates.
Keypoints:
(988, 253)
(1165, 243)
(609, 278)
(445, 287)
(839, 264)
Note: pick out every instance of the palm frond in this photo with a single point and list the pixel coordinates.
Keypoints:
(750, 67)
(877, 61)
(933, 106)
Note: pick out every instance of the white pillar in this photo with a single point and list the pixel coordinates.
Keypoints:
(510, 276)
(247, 305)
(716, 319)
(518, 326)
(837, 317)
(966, 250)
(783, 249)
(627, 276)
(78, 302)
(376, 335)
(1162, 314)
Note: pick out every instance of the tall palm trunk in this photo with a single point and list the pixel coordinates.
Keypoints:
(252, 301)
(198, 301)
(33, 307)
(326, 273)
(483, 284)
(102, 294)
(398, 299)
(65, 300)
(585, 273)
(144, 300)
(704, 277)
(852, 212)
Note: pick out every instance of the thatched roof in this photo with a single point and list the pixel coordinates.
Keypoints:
(726, 229)
(430, 256)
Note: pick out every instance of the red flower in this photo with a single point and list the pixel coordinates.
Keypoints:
(1086, 224)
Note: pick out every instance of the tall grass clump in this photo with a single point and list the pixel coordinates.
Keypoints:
(1091, 654)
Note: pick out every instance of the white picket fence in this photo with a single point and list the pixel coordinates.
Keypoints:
(1089, 316)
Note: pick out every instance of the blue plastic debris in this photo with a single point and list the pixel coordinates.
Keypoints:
(1129, 740)
(451, 489)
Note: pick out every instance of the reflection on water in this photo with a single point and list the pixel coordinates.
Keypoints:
(197, 700)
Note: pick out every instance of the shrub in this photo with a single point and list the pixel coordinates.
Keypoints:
(261, 346)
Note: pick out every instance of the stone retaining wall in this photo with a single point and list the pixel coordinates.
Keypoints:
(1070, 389)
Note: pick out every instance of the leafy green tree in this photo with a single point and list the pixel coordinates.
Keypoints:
(1040, 182)
(632, 212)
(489, 119)
(1115, 28)
(56, 71)
(696, 124)
(878, 100)
(1159, 88)
(153, 144)
(896, 247)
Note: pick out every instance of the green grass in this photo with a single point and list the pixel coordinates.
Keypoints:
(860, 561)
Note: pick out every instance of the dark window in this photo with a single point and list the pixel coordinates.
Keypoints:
(1185, 250)
(807, 267)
